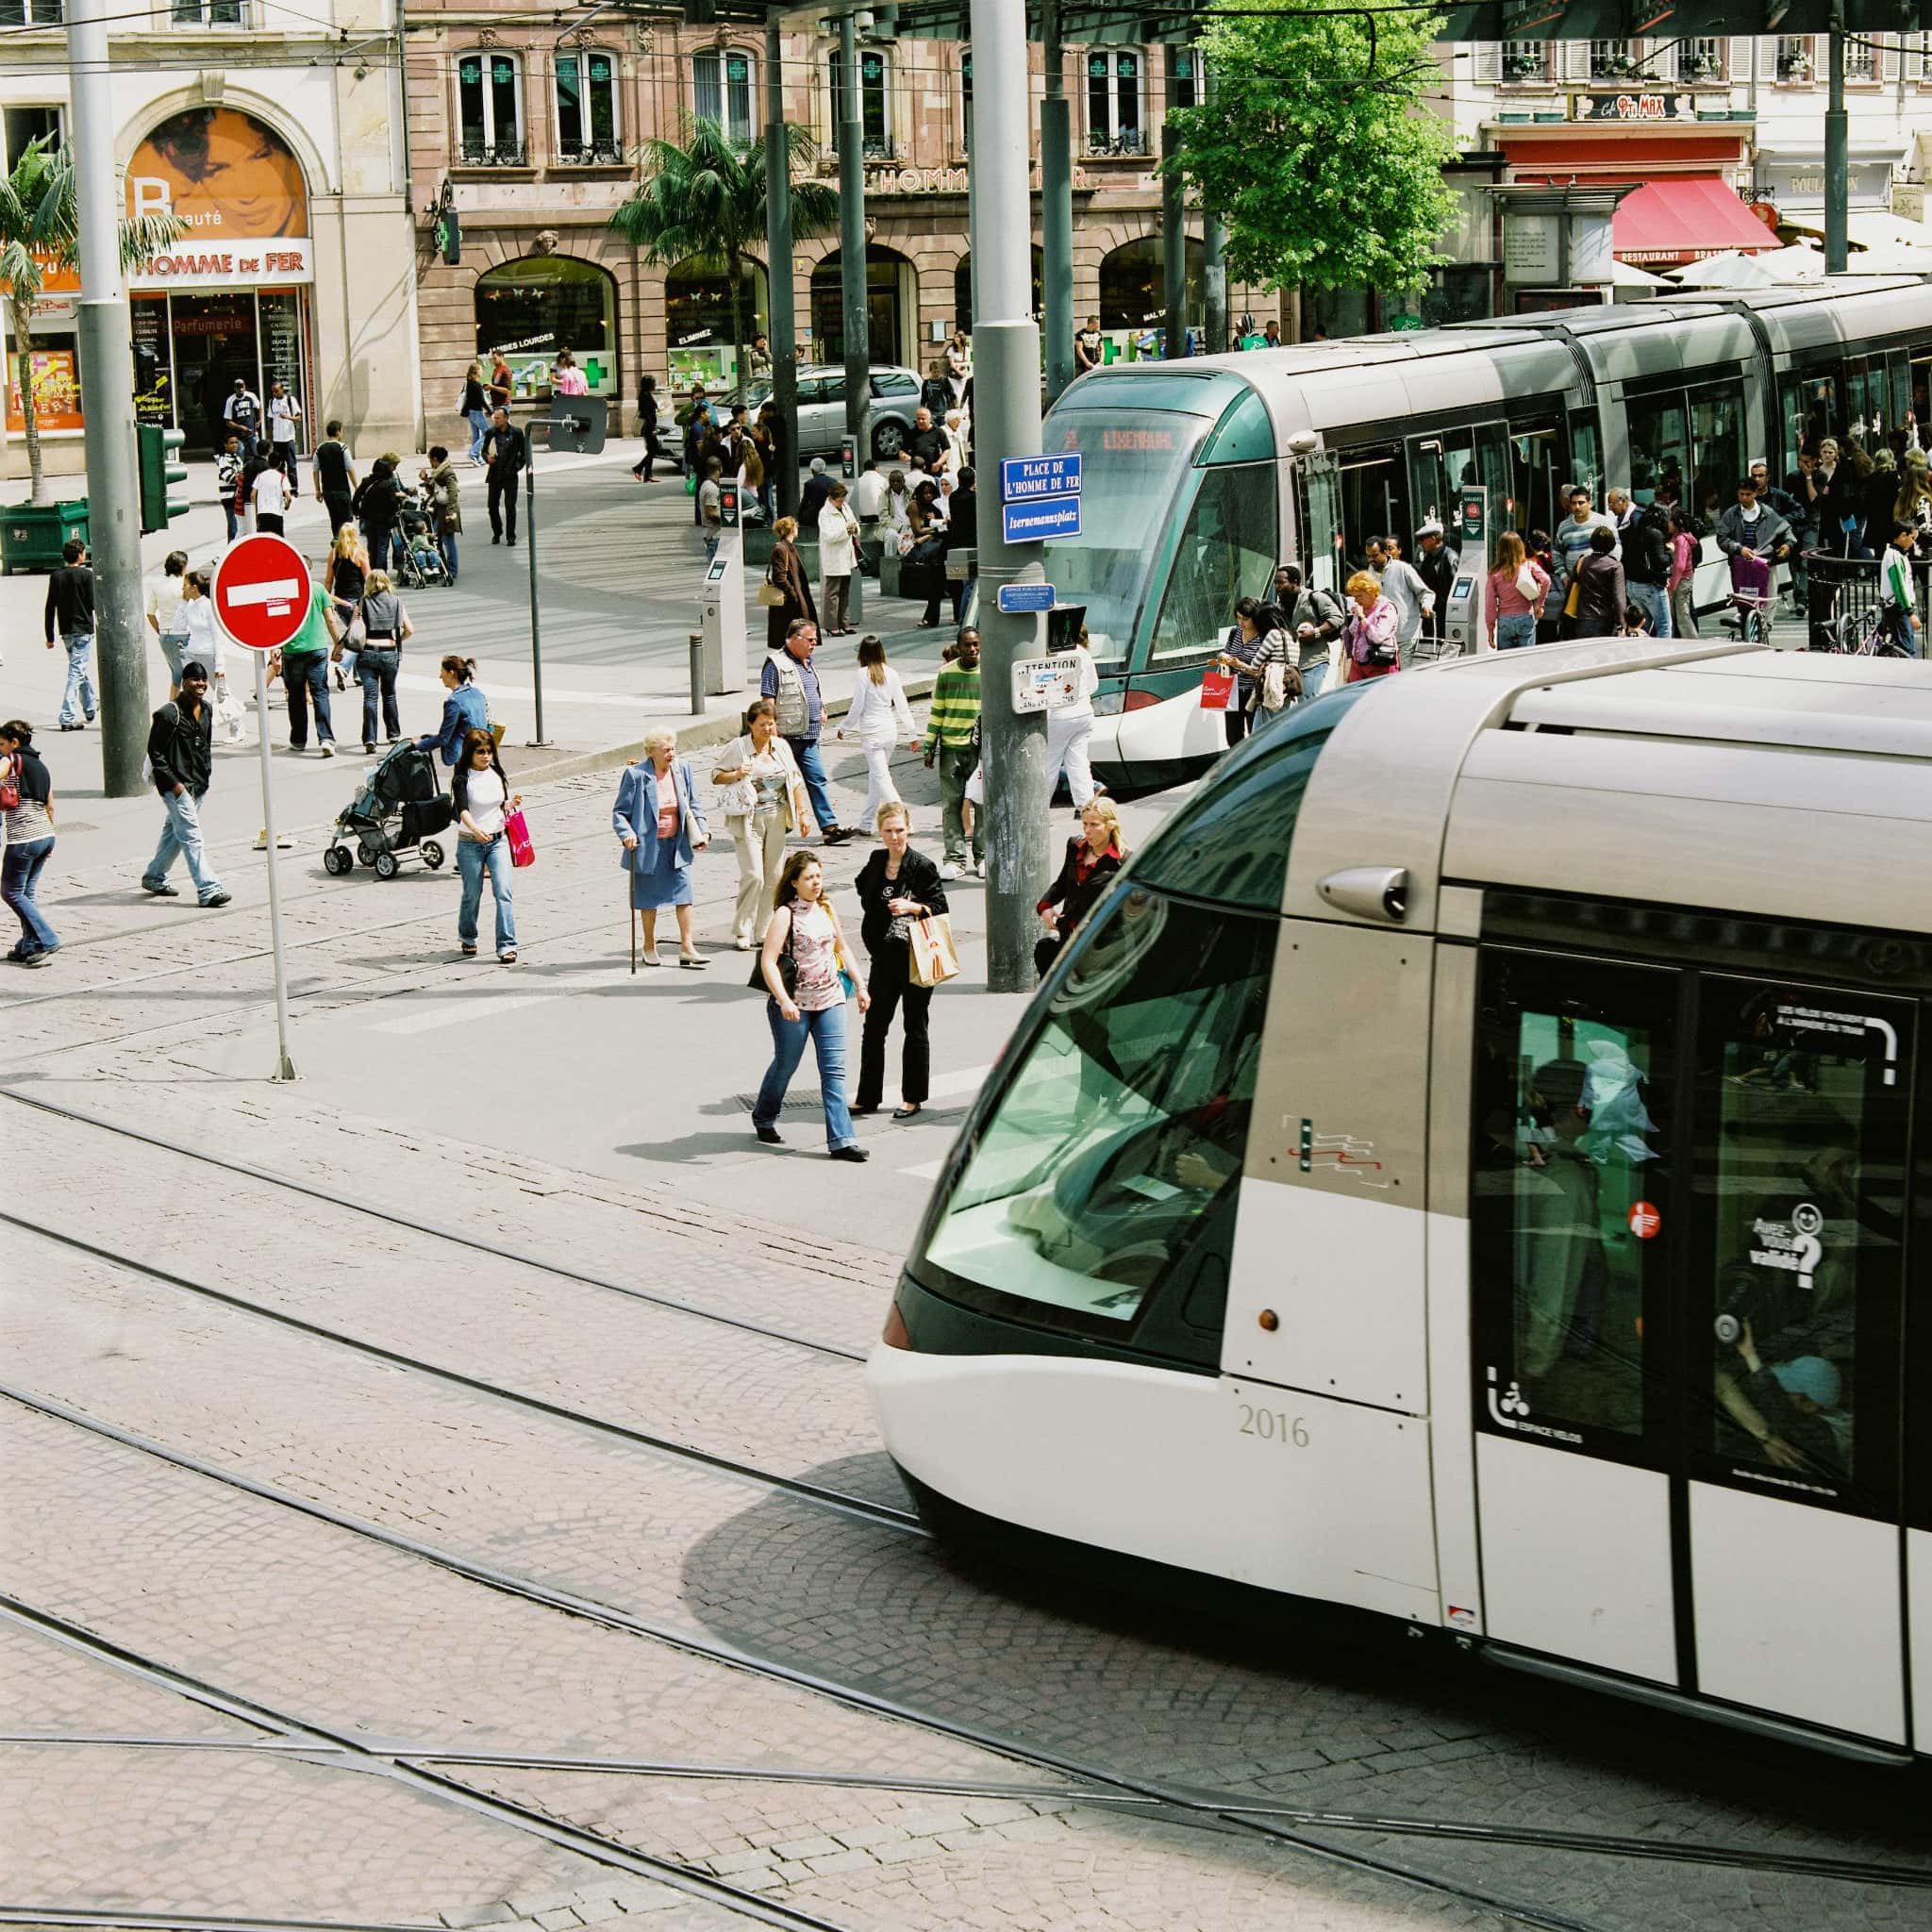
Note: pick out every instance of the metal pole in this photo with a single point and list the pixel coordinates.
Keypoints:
(1006, 385)
(1838, 159)
(1173, 250)
(778, 272)
(851, 271)
(540, 742)
(1056, 207)
(113, 476)
(1214, 258)
(285, 1067)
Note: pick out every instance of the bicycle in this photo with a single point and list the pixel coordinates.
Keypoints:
(1864, 635)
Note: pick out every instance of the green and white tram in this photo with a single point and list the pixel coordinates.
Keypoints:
(1467, 1169)
(1200, 476)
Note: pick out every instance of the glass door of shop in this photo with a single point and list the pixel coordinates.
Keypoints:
(215, 341)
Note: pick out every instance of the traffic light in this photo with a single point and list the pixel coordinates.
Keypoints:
(160, 470)
(449, 234)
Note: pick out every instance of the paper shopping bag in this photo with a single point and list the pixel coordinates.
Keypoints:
(516, 830)
(935, 959)
(1217, 691)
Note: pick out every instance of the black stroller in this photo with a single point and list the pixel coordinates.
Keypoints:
(400, 809)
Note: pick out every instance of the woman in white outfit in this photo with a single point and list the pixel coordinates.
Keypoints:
(1069, 730)
(760, 792)
(881, 720)
(838, 559)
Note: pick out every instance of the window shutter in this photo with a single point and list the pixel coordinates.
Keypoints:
(1659, 58)
(1887, 55)
(1573, 59)
(1487, 61)
(1915, 56)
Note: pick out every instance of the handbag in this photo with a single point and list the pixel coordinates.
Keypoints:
(770, 596)
(516, 830)
(1217, 689)
(788, 970)
(1570, 602)
(934, 959)
(1528, 588)
(10, 786)
(1281, 684)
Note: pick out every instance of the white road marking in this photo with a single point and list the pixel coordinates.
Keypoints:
(926, 1171)
(966, 1080)
(471, 1005)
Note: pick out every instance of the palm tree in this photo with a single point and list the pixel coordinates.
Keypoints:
(707, 199)
(39, 229)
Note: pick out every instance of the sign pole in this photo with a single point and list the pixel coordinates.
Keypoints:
(540, 742)
(285, 1067)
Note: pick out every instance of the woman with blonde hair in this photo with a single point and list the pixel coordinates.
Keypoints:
(661, 826)
(761, 792)
(386, 629)
(785, 575)
(881, 720)
(1513, 576)
(1369, 646)
(1094, 854)
(346, 576)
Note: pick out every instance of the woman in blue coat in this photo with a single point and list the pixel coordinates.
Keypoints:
(662, 827)
(464, 710)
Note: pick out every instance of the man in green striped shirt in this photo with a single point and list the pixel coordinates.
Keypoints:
(1897, 597)
(952, 743)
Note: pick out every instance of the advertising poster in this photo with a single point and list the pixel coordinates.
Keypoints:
(56, 390)
(240, 191)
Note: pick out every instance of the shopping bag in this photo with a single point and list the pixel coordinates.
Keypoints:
(229, 718)
(1217, 689)
(1570, 602)
(516, 830)
(935, 959)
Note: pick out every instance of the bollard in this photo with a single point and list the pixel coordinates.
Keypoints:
(697, 674)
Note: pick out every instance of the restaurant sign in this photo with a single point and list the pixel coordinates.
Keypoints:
(1634, 107)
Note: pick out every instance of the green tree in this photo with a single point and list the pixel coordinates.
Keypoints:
(707, 198)
(39, 229)
(1318, 148)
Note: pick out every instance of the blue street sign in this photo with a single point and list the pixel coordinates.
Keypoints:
(1028, 479)
(1015, 599)
(1034, 523)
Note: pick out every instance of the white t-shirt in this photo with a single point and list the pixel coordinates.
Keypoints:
(282, 412)
(484, 794)
(164, 602)
(869, 494)
(271, 493)
(1081, 709)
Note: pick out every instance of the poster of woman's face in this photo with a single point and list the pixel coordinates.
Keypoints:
(223, 172)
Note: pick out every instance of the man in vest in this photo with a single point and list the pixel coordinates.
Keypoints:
(791, 682)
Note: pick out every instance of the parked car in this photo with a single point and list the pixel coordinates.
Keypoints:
(821, 407)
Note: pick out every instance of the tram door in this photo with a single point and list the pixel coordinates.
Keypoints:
(1688, 1215)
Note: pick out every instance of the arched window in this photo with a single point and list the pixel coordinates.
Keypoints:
(531, 308)
(490, 107)
(962, 289)
(587, 105)
(874, 107)
(723, 85)
(1132, 288)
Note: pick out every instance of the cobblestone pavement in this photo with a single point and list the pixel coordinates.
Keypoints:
(195, 1812)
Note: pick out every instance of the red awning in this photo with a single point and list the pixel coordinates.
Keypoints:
(1684, 220)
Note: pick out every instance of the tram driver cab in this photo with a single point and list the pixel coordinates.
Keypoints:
(1462, 1170)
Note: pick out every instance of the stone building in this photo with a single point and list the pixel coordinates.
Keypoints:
(535, 137)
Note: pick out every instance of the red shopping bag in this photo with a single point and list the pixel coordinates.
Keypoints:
(517, 831)
(1217, 689)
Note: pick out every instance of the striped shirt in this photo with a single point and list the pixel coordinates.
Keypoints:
(954, 708)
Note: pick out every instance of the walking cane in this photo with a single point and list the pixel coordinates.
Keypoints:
(633, 942)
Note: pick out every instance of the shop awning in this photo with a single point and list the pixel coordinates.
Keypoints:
(1684, 220)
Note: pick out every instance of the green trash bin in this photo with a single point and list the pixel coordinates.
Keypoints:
(32, 534)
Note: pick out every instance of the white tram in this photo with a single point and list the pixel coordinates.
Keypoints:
(1465, 1169)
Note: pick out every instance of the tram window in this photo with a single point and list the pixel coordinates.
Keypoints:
(1439, 468)
(1660, 446)
(1226, 552)
(1800, 1164)
(1373, 503)
(1919, 381)
(1110, 1162)
(1569, 1176)
(1532, 481)
(1717, 440)
(1585, 457)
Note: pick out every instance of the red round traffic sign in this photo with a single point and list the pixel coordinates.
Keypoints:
(261, 592)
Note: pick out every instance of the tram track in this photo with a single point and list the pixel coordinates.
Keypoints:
(1290, 1828)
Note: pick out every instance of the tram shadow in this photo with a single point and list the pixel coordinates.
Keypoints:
(1191, 1682)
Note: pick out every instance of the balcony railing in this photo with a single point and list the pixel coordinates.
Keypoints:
(209, 13)
(1129, 140)
(479, 153)
(603, 154)
(29, 12)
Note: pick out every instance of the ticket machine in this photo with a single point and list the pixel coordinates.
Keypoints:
(720, 597)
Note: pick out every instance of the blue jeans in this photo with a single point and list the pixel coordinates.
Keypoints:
(1512, 633)
(234, 522)
(79, 699)
(480, 423)
(811, 769)
(1653, 601)
(446, 543)
(305, 680)
(826, 1030)
(181, 837)
(375, 671)
(20, 871)
(1314, 678)
(472, 861)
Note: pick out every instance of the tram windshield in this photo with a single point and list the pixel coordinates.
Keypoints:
(1134, 463)
(1110, 1162)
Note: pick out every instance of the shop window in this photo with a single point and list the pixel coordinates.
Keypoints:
(24, 125)
(586, 107)
(490, 109)
(1133, 285)
(29, 12)
(209, 13)
(1114, 122)
(724, 90)
(1794, 60)
(874, 118)
(534, 307)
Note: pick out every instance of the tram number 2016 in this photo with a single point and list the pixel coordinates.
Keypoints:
(1274, 1426)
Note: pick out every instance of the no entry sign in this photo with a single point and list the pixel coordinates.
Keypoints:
(261, 592)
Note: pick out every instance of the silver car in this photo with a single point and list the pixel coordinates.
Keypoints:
(821, 407)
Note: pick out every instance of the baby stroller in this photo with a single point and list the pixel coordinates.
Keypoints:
(400, 809)
(416, 563)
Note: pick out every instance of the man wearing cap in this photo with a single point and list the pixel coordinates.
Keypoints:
(180, 753)
(1436, 569)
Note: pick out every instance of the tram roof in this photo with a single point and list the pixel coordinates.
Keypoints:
(1722, 776)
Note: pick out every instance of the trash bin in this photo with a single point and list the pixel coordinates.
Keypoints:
(32, 534)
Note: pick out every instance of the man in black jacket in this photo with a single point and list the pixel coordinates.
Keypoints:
(504, 450)
(962, 533)
(180, 753)
(70, 613)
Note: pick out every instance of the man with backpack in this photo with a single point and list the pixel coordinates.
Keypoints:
(1647, 559)
(1313, 619)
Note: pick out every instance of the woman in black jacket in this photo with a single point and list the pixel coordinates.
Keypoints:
(1092, 858)
(894, 886)
(647, 428)
(378, 504)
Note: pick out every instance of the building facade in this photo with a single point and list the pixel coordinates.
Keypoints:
(534, 136)
(276, 136)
